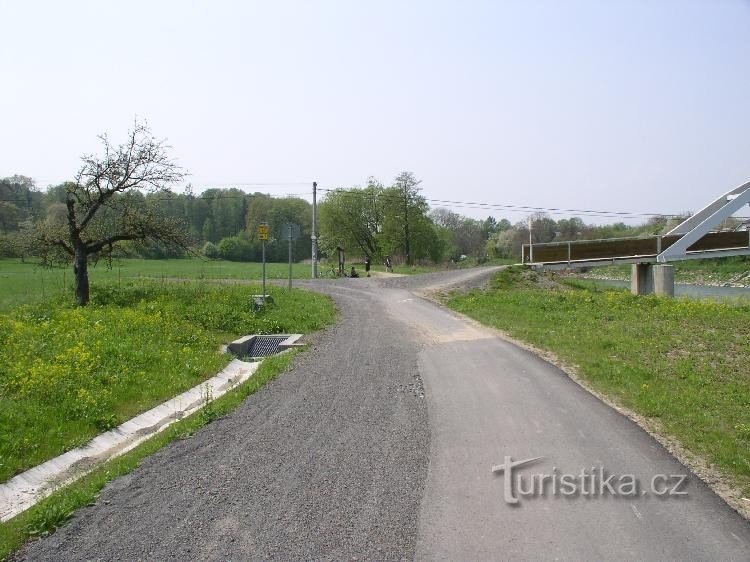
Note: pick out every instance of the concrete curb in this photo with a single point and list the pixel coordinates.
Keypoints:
(25, 490)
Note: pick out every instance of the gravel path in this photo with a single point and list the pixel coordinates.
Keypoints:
(326, 462)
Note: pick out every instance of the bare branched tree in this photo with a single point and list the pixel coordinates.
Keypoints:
(105, 204)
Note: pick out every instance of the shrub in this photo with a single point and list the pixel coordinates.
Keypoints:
(235, 248)
(211, 251)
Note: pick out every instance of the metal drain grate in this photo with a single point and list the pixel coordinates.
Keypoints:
(263, 346)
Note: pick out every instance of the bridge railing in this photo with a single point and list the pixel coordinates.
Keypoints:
(629, 250)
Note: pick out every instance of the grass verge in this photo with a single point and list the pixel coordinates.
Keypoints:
(681, 362)
(68, 373)
(50, 513)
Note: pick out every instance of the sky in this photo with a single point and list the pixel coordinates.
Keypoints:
(630, 106)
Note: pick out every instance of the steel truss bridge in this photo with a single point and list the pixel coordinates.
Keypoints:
(694, 238)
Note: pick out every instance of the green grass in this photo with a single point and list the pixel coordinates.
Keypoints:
(67, 373)
(736, 264)
(24, 283)
(681, 361)
(50, 513)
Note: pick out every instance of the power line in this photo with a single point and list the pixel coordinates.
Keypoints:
(516, 208)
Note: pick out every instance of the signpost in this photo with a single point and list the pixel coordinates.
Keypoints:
(290, 231)
(263, 232)
(263, 237)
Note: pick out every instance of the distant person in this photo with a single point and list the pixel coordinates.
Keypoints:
(367, 266)
(354, 273)
(388, 264)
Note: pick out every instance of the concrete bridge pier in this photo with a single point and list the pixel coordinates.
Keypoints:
(647, 278)
(664, 280)
(642, 279)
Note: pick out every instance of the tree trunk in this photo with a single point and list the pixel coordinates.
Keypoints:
(81, 269)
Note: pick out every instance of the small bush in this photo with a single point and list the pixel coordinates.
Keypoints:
(235, 248)
(211, 251)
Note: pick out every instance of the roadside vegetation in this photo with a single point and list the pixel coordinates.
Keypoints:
(68, 373)
(680, 362)
(46, 516)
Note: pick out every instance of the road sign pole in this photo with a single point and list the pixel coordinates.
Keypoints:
(263, 237)
(289, 234)
(264, 272)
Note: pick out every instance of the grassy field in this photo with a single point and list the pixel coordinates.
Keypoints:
(24, 283)
(683, 362)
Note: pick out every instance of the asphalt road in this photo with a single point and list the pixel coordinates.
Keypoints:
(380, 443)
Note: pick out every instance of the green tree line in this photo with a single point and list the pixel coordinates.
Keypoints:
(373, 221)
(219, 222)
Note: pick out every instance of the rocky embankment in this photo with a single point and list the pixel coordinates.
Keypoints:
(694, 277)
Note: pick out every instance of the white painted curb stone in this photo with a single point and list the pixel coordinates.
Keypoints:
(23, 491)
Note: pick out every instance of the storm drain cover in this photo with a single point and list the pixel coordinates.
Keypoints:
(263, 346)
(254, 345)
